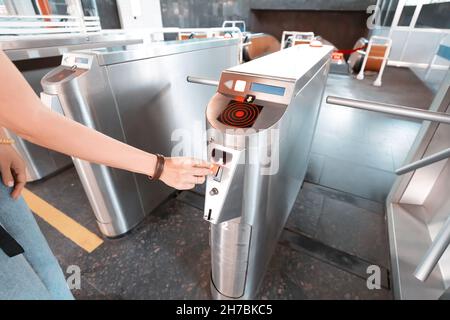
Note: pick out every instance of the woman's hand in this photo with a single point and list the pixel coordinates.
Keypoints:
(185, 173)
(13, 170)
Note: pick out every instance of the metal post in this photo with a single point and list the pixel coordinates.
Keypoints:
(434, 253)
(77, 8)
(424, 162)
(391, 109)
(207, 82)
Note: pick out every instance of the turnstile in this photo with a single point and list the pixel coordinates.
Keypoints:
(418, 210)
(261, 126)
(139, 95)
(418, 206)
(35, 56)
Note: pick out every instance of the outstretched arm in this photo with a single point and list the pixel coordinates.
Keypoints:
(22, 112)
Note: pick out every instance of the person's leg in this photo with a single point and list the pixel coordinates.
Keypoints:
(18, 281)
(18, 220)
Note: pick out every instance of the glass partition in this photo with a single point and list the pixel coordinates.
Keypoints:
(90, 8)
(408, 11)
(434, 14)
(388, 8)
(57, 7)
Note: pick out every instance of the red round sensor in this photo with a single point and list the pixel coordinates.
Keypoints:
(239, 114)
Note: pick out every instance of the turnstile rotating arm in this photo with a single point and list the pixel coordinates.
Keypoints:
(424, 162)
(203, 81)
(401, 111)
(434, 253)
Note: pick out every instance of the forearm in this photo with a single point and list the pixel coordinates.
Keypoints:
(74, 139)
(22, 112)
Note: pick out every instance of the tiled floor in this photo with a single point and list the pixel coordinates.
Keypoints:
(342, 221)
(168, 257)
(357, 151)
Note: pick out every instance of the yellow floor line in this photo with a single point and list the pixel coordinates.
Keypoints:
(61, 222)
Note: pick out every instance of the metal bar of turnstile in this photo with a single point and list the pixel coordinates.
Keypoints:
(424, 162)
(442, 241)
(403, 112)
(391, 109)
(434, 253)
(207, 82)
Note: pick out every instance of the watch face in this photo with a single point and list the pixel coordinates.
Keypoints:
(240, 114)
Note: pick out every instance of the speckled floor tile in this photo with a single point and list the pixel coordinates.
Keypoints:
(309, 207)
(354, 230)
(297, 276)
(353, 200)
(66, 193)
(166, 257)
(307, 210)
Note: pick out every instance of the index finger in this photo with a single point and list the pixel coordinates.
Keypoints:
(202, 164)
(19, 186)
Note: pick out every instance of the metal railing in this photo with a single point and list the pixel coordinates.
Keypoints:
(203, 81)
(293, 36)
(396, 110)
(157, 34)
(54, 24)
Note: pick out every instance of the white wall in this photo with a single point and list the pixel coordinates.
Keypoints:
(139, 14)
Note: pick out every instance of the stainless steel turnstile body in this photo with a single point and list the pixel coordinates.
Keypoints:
(35, 56)
(418, 206)
(261, 126)
(418, 210)
(138, 95)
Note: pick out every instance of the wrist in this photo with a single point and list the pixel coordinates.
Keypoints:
(151, 165)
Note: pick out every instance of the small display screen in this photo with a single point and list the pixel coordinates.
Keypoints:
(264, 88)
(81, 60)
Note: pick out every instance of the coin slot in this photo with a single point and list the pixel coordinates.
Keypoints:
(209, 214)
(218, 175)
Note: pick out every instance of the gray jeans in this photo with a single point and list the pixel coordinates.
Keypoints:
(35, 275)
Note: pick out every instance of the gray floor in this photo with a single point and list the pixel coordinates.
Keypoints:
(357, 151)
(168, 257)
(336, 230)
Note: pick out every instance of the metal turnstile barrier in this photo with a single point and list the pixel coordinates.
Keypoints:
(35, 56)
(138, 94)
(420, 200)
(261, 124)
